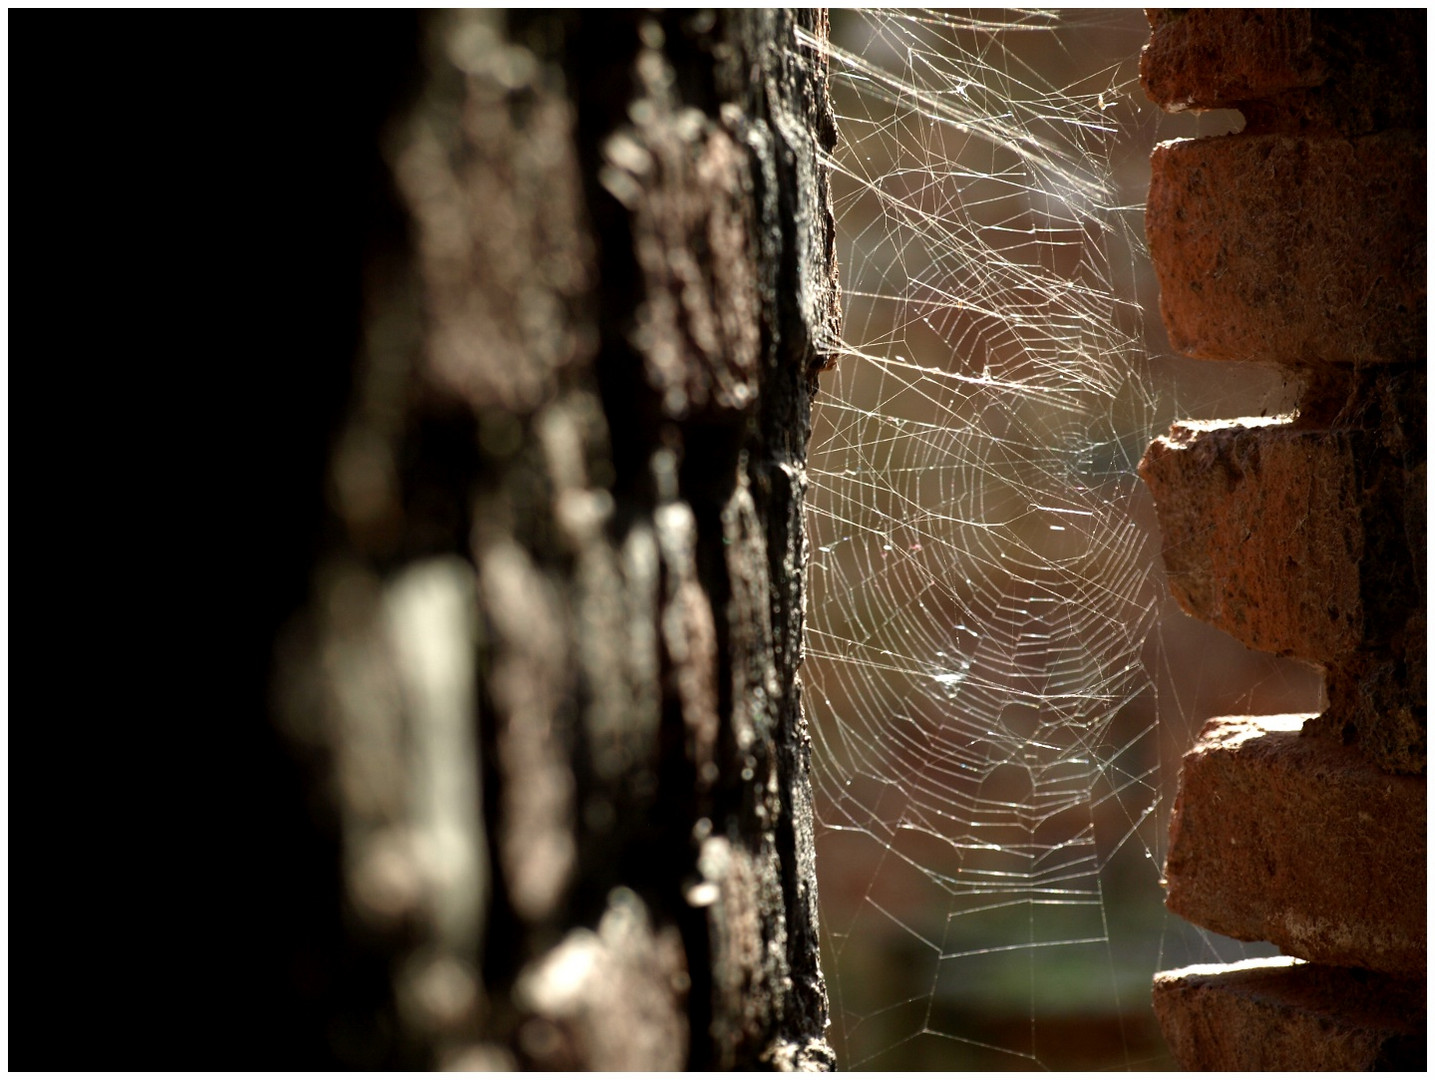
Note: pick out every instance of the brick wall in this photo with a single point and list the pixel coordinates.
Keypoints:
(1300, 242)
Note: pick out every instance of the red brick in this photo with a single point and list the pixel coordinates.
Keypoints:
(1301, 842)
(1296, 70)
(1291, 249)
(1215, 59)
(1284, 1015)
(1261, 532)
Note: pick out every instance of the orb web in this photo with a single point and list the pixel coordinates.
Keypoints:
(982, 586)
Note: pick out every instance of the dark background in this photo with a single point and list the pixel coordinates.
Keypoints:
(191, 198)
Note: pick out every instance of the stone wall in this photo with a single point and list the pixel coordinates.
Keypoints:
(442, 387)
(1300, 242)
(543, 688)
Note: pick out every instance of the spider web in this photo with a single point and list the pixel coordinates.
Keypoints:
(990, 758)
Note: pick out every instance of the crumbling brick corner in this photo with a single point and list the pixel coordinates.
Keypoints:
(1300, 242)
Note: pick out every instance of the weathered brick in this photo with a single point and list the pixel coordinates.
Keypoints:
(1261, 532)
(1291, 249)
(1282, 837)
(1214, 59)
(1284, 1015)
(1293, 69)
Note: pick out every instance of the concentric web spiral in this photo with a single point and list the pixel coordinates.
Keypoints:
(981, 591)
